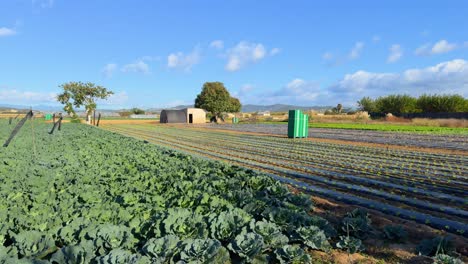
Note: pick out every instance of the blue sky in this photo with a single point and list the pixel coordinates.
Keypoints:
(159, 53)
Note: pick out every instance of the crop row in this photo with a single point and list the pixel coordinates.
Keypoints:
(316, 155)
(170, 137)
(458, 142)
(86, 195)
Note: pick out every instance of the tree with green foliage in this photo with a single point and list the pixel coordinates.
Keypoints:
(366, 104)
(396, 104)
(137, 111)
(215, 98)
(442, 103)
(77, 94)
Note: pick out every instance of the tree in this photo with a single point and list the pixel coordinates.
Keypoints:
(137, 111)
(442, 103)
(366, 104)
(396, 104)
(235, 105)
(339, 107)
(77, 94)
(216, 99)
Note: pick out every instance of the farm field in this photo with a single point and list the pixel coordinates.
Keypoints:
(85, 195)
(429, 188)
(450, 141)
(405, 128)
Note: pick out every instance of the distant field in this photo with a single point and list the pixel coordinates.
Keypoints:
(393, 128)
(409, 128)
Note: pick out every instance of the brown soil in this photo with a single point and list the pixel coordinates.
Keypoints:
(376, 247)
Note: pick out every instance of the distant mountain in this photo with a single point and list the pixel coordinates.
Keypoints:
(43, 108)
(255, 108)
(281, 108)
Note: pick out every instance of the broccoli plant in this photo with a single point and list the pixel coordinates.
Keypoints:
(203, 251)
(313, 237)
(227, 225)
(357, 222)
(292, 254)
(395, 233)
(446, 259)
(79, 254)
(349, 243)
(271, 233)
(161, 248)
(435, 246)
(248, 246)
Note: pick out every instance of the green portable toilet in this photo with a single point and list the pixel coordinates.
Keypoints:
(235, 120)
(48, 117)
(294, 123)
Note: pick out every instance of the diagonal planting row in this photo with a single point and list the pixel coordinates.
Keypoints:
(440, 195)
(455, 142)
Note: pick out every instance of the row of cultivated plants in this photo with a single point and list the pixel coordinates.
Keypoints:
(81, 199)
(89, 196)
(356, 226)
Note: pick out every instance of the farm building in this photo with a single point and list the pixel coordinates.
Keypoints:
(187, 115)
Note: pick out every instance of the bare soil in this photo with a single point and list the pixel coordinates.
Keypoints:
(377, 248)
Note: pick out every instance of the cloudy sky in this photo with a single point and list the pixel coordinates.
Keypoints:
(159, 53)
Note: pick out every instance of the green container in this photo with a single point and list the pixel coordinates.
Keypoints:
(305, 126)
(235, 120)
(48, 117)
(294, 121)
(298, 124)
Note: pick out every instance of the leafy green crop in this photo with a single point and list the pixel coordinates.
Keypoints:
(292, 254)
(92, 196)
(395, 233)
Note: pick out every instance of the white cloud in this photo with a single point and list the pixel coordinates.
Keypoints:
(109, 70)
(274, 51)
(13, 96)
(446, 77)
(244, 92)
(297, 91)
(396, 53)
(217, 44)
(243, 54)
(443, 46)
(356, 50)
(139, 67)
(376, 39)
(184, 61)
(4, 31)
